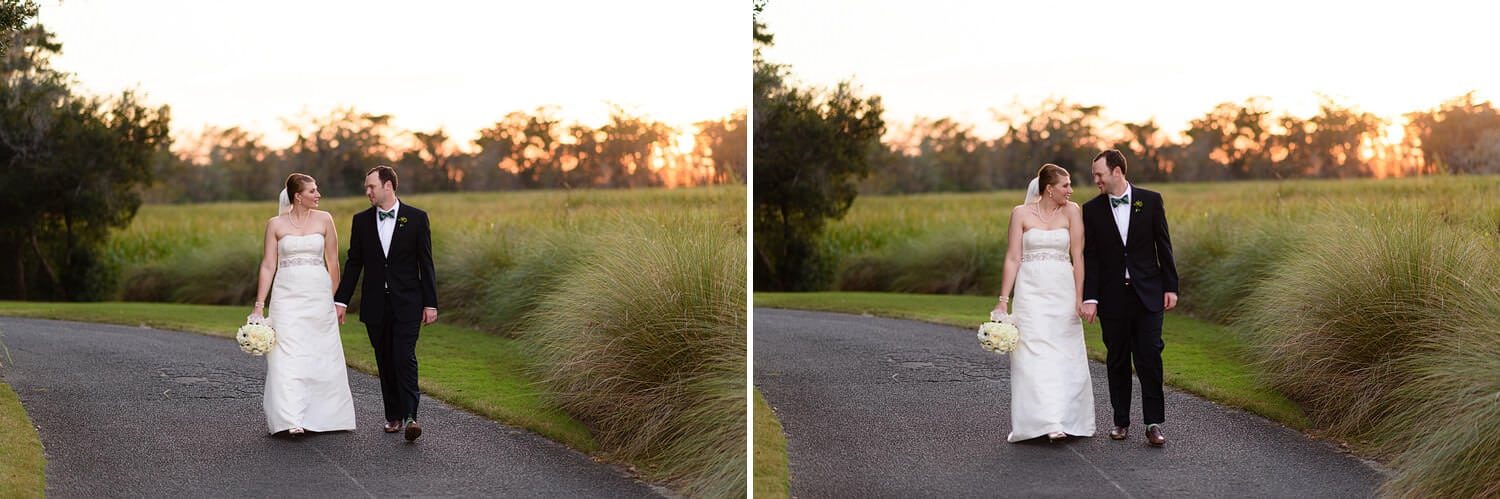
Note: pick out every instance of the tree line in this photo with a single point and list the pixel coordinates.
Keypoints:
(1233, 141)
(523, 150)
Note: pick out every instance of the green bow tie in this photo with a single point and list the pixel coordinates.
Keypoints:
(386, 214)
(1117, 201)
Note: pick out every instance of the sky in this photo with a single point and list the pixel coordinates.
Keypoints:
(462, 65)
(1171, 60)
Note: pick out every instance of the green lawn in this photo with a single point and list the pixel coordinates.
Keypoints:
(771, 477)
(1200, 357)
(21, 460)
(480, 372)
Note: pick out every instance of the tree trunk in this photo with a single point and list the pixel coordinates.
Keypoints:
(16, 249)
(41, 257)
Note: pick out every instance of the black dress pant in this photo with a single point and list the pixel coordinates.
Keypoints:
(1134, 336)
(395, 346)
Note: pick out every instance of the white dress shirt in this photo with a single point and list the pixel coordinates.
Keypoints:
(1122, 216)
(386, 228)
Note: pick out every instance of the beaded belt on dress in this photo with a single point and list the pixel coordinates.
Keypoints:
(1051, 255)
(299, 261)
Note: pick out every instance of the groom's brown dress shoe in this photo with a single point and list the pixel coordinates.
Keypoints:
(392, 426)
(1119, 433)
(1154, 436)
(413, 430)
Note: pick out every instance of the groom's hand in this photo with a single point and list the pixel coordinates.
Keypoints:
(429, 316)
(341, 313)
(1169, 301)
(1089, 311)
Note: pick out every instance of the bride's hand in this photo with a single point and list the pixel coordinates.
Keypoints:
(257, 314)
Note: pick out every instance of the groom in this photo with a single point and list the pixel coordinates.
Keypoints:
(1129, 282)
(392, 243)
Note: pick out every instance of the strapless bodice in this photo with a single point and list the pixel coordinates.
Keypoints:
(1045, 244)
(306, 249)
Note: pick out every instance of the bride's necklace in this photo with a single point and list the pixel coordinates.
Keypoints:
(292, 219)
(1046, 219)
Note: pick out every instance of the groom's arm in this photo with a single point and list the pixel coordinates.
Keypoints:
(353, 263)
(1164, 250)
(424, 262)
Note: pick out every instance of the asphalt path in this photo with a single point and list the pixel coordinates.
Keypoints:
(137, 412)
(878, 407)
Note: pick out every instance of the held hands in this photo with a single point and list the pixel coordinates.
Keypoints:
(1088, 311)
(340, 310)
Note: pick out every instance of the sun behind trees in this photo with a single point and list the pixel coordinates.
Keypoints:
(535, 150)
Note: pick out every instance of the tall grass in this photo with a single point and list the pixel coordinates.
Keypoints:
(645, 343)
(958, 261)
(633, 300)
(1375, 328)
(1446, 428)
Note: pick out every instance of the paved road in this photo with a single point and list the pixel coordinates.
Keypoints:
(888, 408)
(133, 412)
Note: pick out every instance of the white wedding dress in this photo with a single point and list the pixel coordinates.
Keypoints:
(307, 385)
(1050, 387)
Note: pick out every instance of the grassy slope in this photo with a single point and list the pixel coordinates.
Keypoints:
(771, 474)
(477, 371)
(21, 460)
(1200, 357)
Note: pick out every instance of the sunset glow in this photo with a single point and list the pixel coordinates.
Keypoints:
(1171, 61)
(447, 63)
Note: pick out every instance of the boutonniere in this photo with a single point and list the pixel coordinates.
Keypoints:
(1138, 206)
(401, 222)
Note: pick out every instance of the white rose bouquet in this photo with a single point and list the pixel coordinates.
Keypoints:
(999, 334)
(256, 337)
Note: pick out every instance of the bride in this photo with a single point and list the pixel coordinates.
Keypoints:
(307, 386)
(1051, 392)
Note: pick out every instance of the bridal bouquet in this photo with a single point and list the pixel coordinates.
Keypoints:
(256, 337)
(999, 334)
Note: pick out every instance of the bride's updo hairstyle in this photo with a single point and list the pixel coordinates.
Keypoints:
(295, 183)
(1048, 176)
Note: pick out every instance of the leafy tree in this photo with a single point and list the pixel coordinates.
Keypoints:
(432, 166)
(73, 168)
(725, 142)
(1457, 136)
(811, 147)
(338, 149)
(13, 16)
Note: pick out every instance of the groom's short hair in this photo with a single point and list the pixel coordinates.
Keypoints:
(1113, 158)
(387, 174)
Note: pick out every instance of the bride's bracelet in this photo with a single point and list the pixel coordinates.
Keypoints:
(260, 304)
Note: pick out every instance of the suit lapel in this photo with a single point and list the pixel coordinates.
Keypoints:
(1106, 218)
(375, 231)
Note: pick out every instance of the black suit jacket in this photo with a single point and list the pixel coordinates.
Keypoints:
(407, 270)
(1146, 251)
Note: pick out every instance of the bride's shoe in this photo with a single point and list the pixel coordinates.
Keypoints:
(296, 431)
(1057, 436)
